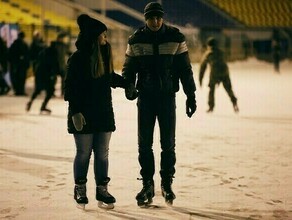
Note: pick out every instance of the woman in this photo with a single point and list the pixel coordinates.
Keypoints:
(88, 83)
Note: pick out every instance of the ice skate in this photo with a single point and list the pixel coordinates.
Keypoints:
(80, 196)
(210, 110)
(45, 111)
(5, 90)
(28, 106)
(144, 197)
(167, 192)
(235, 107)
(104, 198)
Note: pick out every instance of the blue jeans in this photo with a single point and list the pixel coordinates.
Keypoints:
(85, 144)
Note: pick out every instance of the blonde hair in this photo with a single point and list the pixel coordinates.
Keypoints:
(100, 64)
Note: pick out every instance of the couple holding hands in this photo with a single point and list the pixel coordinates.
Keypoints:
(156, 61)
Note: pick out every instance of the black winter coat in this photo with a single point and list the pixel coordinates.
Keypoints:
(19, 54)
(47, 68)
(159, 60)
(90, 96)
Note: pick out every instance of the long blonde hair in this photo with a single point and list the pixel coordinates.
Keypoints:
(99, 64)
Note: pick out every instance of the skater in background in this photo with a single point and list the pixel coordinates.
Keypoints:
(157, 55)
(90, 76)
(63, 52)
(36, 47)
(19, 64)
(4, 87)
(218, 73)
(46, 69)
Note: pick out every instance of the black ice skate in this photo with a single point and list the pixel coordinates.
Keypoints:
(167, 192)
(235, 107)
(210, 110)
(45, 111)
(144, 197)
(80, 195)
(104, 198)
(28, 106)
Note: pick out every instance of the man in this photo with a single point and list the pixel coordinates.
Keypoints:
(19, 64)
(63, 52)
(4, 87)
(36, 47)
(157, 56)
(45, 76)
(219, 73)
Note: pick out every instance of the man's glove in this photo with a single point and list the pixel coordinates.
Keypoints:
(131, 92)
(191, 105)
(78, 121)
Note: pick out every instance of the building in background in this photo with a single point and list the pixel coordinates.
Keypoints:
(243, 28)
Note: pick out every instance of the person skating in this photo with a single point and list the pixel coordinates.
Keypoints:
(4, 87)
(19, 64)
(63, 52)
(156, 59)
(45, 76)
(90, 76)
(36, 46)
(219, 73)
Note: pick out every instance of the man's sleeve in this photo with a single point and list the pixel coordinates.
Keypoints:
(130, 66)
(184, 68)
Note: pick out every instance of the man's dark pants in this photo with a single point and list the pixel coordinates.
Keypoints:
(161, 107)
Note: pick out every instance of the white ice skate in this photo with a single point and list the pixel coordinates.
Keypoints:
(104, 205)
(80, 206)
(104, 198)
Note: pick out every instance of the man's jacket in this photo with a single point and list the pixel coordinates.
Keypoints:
(156, 61)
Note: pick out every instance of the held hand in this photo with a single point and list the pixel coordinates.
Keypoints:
(78, 121)
(131, 92)
(191, 106)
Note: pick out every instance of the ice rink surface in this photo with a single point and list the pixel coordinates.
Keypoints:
(229, 166)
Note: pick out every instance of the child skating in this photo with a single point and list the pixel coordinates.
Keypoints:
(219, 73)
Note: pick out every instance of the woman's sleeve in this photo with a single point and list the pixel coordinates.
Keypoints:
(71, 86)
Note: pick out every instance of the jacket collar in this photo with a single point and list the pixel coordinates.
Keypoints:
(160, 31)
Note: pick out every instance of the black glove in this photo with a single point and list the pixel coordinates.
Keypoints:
(131, 92)
(191, 105)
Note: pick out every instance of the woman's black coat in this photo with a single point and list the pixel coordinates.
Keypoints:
(90, 96)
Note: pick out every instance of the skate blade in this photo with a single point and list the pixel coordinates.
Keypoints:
(80, 206)
(103, 205)
(168, 199)
(45, 113)
(144, 203)
(169, 202)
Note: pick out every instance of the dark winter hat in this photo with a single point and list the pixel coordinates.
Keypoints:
(212, 42)
(153, 9)
(91, 26)
(21, 35)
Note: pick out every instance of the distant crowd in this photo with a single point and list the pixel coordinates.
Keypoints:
(47, 63)
(20, 56)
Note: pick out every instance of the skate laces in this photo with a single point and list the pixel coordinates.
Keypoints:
(103, 191)
(167, 187)
(81, 190)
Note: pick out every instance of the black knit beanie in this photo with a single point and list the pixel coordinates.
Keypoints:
(153, 9)
(90, 26)
(212, 42)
